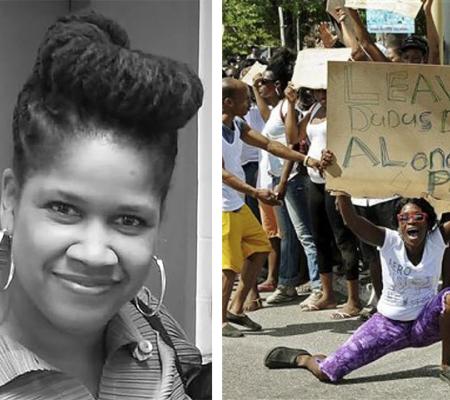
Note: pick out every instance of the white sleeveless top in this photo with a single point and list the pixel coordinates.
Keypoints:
(408, 287)
(317, 137)
(231, 153)
(276, 130)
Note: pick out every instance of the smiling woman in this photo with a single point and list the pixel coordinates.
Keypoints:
(95, 140)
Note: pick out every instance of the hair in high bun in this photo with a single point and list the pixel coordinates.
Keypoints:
(85, 71)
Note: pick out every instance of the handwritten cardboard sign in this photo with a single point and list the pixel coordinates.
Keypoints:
(311, 66)
(256, 68)
(410, 8)
(389, 127)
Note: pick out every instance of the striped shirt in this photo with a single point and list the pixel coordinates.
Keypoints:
(139, 364)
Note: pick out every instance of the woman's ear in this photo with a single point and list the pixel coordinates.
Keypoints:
(9, 200)
(278, 89)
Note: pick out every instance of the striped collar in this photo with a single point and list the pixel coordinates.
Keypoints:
(138, 365)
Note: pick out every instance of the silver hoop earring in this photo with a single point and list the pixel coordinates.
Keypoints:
(6, 258)
(148, 294)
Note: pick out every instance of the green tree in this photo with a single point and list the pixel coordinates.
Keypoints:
(244, 25)
(256, 22)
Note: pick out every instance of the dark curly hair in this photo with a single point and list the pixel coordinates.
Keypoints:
(86, 77)
(282, 66)
(424, 205)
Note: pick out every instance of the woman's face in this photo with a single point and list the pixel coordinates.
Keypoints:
(412, 56)
(267, 87)
(412, 225)
(320, 95)
(84, 233)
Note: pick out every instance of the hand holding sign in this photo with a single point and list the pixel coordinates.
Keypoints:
(311, 66)
(257, 68)
(409, 8)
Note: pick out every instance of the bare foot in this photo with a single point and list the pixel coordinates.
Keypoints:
(311, 364)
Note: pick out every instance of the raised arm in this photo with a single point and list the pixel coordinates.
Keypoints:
(432, 34)
(291, 119)
(348, 36)
(265, 195)
(361, 227)
(364, 38)
(263, 107)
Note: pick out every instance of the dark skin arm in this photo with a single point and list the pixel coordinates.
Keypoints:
(361, 227)
(254, 138)
(364, 39)
(263, 107)
(367, 231)
(445, 230)
(266, 196)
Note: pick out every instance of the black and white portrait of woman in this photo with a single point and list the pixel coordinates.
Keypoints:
(105, 270)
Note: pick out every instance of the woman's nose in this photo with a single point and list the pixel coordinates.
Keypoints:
(93, 247)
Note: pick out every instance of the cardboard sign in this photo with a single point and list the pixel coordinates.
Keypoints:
(389, 127)
(256, 68)
(311, 66)
(410, 8)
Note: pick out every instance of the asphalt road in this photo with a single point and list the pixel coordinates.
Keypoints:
(408, 374)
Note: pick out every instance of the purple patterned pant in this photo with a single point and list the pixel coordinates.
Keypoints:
(380, 336)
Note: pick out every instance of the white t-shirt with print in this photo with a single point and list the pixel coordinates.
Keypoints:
(408, 287)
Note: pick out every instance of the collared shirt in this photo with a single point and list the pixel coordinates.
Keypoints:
(139, 365)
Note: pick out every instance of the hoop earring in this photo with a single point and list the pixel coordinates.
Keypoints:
(5, 248)
(148, 294)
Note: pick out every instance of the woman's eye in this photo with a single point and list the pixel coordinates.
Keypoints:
(130, 221)
(63, 209)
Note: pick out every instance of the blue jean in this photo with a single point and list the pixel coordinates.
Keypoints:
(296, 200)
(251, 177)
(293, 223)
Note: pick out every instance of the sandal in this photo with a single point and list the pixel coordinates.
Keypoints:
(339, 315)
(253, 305)
(315, 307)
(283, 357)
(267, 287)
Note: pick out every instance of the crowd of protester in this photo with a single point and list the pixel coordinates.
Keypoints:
(289, 236)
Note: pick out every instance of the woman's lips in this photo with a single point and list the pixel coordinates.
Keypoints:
(86, 284)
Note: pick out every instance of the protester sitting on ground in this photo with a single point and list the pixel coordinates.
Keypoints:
(244, 243)
(326, 221)
(410, 312)
(292, 216)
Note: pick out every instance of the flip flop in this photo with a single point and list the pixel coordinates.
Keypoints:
(283, 357)
(267, 287)
(339, 315)
(314, 307)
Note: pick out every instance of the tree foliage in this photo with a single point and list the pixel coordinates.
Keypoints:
(256, 22)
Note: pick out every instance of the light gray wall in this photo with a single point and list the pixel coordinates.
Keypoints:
(165, 27)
